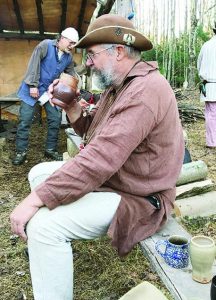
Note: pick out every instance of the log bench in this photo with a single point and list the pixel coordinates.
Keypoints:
(178, 281)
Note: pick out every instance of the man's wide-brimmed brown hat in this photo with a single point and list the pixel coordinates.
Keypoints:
(114, 29)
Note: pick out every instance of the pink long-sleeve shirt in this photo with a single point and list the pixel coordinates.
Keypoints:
(137, 150)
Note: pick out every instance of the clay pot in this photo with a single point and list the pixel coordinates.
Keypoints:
(65, 91)
(202, 255)
(144, 291)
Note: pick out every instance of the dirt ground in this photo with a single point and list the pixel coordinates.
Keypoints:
(99, 273)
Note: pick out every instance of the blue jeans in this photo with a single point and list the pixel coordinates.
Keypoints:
(25, 121)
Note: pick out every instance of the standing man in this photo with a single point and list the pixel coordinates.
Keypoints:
(123, 181)
(49, 59)
(206, 66)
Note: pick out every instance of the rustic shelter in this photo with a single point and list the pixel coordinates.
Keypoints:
(23, 23)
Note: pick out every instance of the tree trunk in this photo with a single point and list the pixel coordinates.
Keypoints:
(192, 52)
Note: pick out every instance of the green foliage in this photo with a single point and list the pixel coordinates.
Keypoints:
(201, 35)
(179, 56)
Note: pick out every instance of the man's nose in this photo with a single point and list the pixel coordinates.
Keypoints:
(89, 62)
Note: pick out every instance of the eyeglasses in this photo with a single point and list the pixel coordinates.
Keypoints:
(91, 56)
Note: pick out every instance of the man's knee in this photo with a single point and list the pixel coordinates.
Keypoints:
(44, 228)
(42, 171)
(37, 224)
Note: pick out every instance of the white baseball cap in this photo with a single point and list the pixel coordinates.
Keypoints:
(71, 34)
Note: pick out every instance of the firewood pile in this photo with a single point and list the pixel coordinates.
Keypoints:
(179, 94)
(188, 112)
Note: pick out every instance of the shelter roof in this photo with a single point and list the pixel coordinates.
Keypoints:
(39, 19)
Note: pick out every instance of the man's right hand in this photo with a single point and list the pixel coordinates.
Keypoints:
(34, 92)
(64, 105)
(23, 213)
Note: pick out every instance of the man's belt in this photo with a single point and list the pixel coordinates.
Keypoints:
(202, 87)
(154, 201)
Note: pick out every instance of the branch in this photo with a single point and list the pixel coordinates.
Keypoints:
(105, 9)
(209, 8)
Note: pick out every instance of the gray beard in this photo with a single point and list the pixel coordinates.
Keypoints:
(104, 79)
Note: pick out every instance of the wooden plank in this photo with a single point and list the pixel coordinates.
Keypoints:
(63, 15)
(81, 16)
(40, 16)
(9, 98)
(199, 205)
(194, 188)
(178, 281)
(18, 15)
(26, 36)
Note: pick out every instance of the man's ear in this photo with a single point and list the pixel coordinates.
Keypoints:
(120, 52)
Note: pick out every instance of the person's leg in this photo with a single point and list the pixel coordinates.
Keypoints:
(53, 123)
(26, 114)
(49, 241)
(210, 123)
(22, 136)
(42, 171)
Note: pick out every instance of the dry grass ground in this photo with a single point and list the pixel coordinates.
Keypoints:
(99, 273)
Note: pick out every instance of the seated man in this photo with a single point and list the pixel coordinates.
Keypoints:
(123, 181)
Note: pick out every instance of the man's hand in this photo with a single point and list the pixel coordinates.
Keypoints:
(83, 103)
(64, 105)
(34, 92)
(23, 213)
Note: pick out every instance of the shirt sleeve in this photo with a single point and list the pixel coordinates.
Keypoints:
(32, 75)
(70, 68)
(199, 61)
(100, 159)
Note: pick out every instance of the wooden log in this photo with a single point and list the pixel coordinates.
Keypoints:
(72, 148)
(196, 206)
(194, 188)
(193, 171)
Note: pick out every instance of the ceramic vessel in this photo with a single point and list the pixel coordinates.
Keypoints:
(213, 288)
(202, 254)
(144, 291)
(175, 252)
(65, 91)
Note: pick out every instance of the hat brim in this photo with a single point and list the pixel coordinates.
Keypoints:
(115, 35)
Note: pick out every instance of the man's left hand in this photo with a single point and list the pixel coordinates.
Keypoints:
(23, 213)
